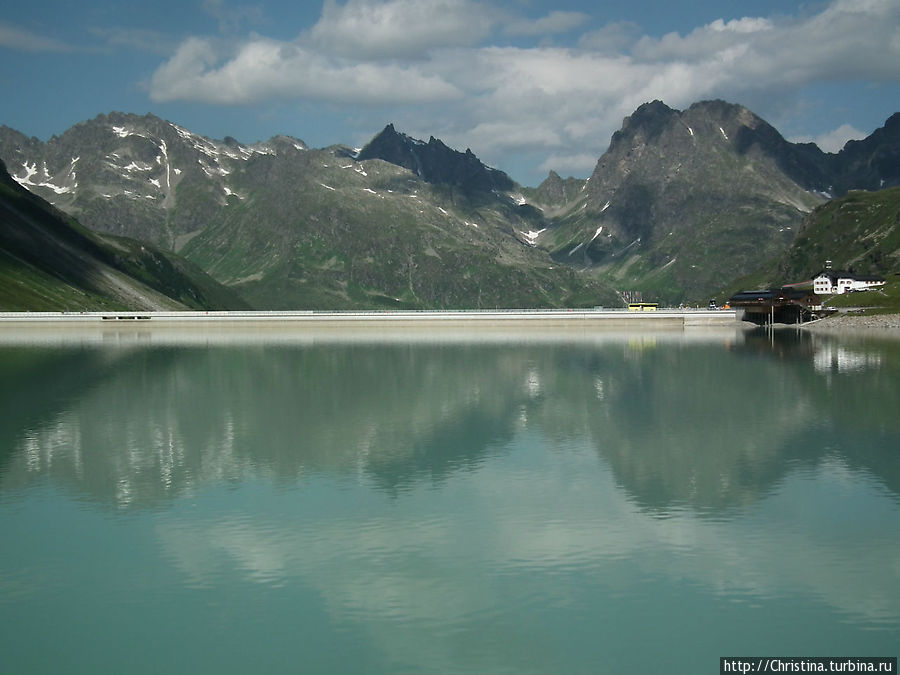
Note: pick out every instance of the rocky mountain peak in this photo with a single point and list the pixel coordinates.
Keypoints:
(872, 163)
(723, 111)
(644, 124)
(435, 162)
(555, 192)
(552, 183)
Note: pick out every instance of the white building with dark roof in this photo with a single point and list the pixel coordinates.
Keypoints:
(837, 282)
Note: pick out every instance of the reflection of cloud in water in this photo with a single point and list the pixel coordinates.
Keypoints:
(426, 486)
(422, 567)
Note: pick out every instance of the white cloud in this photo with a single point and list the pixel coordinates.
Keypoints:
(554, 22)
(843, 41)
(412, 562)
(835, 140)
(503, 100)
(399, 28)
(702, 43)
(613, 38)
(20, 39)
(745, 25)
(263, 69)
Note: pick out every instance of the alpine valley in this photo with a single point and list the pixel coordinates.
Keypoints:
(680, 205)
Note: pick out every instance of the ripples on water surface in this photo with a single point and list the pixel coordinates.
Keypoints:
(575, 503)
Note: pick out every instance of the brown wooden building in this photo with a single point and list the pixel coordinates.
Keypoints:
(779, 305)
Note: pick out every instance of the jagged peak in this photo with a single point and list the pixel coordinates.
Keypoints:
(434, 161)
(646, 122)
(650, 111)
(388, 140)
(719, 108)
(390, 132)
(721, 118)
(893, 123)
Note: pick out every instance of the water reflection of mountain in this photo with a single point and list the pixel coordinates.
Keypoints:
(168, 419)
(36, 384)
(679, 425)
(711, 431)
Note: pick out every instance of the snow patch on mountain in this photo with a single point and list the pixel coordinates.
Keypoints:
(164, 159)
(533, 235)
(134, 166)
(31, 171)
(213, 171)
(125, 132)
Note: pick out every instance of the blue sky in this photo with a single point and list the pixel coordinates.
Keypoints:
(528, 85)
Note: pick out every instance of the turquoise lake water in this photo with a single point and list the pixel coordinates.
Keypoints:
(525, 503)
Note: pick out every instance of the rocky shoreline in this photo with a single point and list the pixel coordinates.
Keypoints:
(879, 322)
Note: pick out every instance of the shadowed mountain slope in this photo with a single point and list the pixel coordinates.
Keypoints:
(49, 262)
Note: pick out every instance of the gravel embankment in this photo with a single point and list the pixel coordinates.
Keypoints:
(856, 321)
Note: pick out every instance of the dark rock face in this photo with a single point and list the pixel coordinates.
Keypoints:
(686, 198)
(646, 124)
(872, 163)
(434, 162)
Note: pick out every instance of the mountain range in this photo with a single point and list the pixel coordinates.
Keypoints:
(50, 262)
(682, 203)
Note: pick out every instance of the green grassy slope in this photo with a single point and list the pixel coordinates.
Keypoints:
(48, 262)
(321, 234)
(859, 232)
